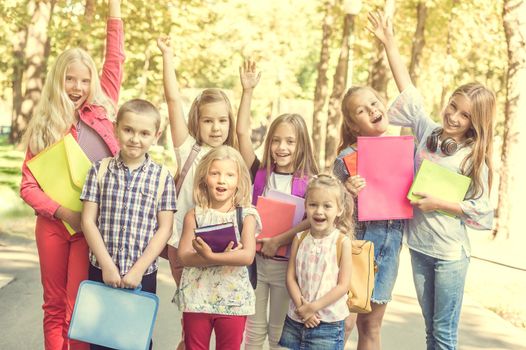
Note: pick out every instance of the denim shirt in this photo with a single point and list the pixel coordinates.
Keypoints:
(432, 233)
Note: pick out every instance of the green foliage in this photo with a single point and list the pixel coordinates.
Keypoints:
(211, 38)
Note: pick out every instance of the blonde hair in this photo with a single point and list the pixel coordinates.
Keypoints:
(55, 112)
(348, 136)
(303, 158)
(142, 107)
(479, 136)
(343, 222)
(243, 193)
(205, 97)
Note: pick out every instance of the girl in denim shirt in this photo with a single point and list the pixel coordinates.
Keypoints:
(438, 243)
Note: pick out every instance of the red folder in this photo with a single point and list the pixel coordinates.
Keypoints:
(276, 218)
(350, 163)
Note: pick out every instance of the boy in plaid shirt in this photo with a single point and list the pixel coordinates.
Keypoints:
(126, 220)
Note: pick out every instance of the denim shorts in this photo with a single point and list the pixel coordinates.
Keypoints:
(327, 335)
(386, 236)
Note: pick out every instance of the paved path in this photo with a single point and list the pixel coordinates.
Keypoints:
(21, 313)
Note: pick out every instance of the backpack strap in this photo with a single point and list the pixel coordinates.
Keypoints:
(302, 237)
(299, 186)
(260, 181)
(103, 168)
(186, 167)
(162, 183)
(239, 218)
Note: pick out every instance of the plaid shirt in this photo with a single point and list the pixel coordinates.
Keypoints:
(128, 209)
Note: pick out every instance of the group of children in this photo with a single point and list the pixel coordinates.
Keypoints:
(130, 201)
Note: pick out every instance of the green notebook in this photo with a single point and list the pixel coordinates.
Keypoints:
(439, 182)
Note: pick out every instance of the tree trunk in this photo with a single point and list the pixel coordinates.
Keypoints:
(418, 41)
(446, 75)
(338, 89)
(30, 67)
(19, 64)
(89, 11)
(514, 143)
(378, 77)
(416, 50)
(320, 94)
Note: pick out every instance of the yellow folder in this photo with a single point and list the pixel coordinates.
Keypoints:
(61, 171)
(439, 182)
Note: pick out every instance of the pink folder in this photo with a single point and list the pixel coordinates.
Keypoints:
(386, 164)
(276, 218)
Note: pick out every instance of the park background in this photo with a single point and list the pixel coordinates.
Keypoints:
(309, 52)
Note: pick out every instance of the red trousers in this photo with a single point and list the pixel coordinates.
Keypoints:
(198, 329)
(63, 265)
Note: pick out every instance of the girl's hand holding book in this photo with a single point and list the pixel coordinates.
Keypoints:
(231, 244)
(202, 248)
(427, 203)
(69, 216)
(354, 184)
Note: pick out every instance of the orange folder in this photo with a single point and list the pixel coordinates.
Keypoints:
(276, 218)
(350, 163)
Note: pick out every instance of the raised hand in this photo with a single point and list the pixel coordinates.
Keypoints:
(164, 43)
(380, 26)
(247, 74)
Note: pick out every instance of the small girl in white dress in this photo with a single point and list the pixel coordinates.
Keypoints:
(215, 291)
(317, 282)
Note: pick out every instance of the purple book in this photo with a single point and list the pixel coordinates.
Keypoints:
(217, 236)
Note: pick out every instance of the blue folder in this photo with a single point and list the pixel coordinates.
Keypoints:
(113, 317)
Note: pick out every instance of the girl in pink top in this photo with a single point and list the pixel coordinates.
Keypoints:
(74, 101)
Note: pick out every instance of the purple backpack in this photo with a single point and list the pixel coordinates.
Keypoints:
(299, 185)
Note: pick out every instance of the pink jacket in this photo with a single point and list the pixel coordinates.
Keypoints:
(93, 115)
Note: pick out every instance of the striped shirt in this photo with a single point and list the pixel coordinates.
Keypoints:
(128, 209)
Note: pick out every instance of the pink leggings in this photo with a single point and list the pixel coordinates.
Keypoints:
(198, 329)
(63, 265)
